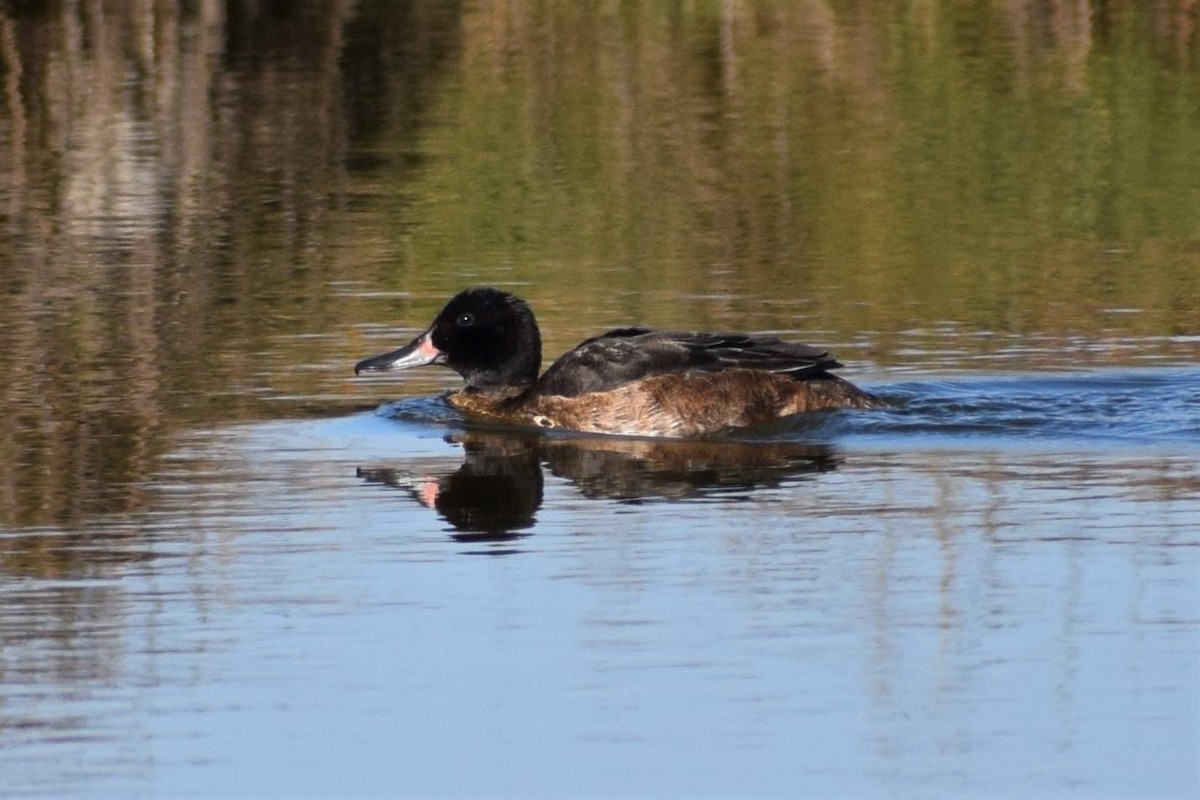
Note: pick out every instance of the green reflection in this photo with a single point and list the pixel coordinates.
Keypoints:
(881, 169)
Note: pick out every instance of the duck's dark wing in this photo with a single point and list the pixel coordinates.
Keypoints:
(624, 355)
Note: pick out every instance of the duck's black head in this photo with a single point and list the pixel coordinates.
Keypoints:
(488, 336)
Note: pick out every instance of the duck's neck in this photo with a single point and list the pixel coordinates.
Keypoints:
(495, 394)
(489, 402)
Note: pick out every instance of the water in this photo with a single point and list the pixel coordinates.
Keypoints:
(228, 567)
(921, 601)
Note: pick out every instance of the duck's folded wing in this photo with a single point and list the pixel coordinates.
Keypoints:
(625, 355)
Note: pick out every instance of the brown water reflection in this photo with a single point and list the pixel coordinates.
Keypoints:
(174, 188)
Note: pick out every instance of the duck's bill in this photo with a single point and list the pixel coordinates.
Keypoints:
(418, 353)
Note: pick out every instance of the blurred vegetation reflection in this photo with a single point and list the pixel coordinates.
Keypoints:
(172, 184)
(208, 210)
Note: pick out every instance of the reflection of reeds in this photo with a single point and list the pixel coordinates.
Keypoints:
(149, 155)
(924, 165)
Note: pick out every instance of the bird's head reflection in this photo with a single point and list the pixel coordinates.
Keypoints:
(496, 492)
(492, 497)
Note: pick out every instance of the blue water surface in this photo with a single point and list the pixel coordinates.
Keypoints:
(989, 589)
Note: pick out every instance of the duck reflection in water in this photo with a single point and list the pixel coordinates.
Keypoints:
(493, 497)
(496, 493)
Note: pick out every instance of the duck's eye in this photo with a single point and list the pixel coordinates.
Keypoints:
(465, 320)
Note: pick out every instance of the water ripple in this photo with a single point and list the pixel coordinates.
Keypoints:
(1159, 407)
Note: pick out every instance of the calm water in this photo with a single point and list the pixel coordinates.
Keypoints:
(230, 568)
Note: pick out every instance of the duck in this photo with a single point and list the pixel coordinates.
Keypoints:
(631, 381)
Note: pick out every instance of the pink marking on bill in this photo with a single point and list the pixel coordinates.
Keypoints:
(426, 347)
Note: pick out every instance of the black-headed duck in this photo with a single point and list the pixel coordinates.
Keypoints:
(628, 381)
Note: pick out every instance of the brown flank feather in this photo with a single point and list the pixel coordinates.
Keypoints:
(679, 404)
